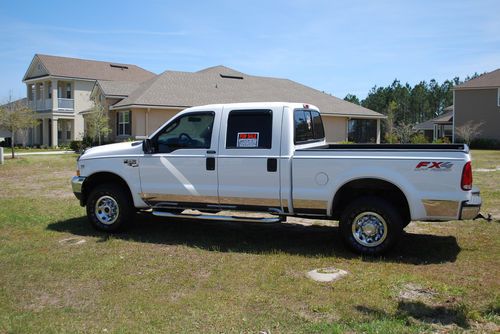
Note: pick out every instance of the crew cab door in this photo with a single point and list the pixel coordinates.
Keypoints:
(248, 160)
(181, 173)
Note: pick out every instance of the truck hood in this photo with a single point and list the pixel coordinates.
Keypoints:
(110, 150)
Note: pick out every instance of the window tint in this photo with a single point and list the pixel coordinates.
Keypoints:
(308, 126)
(192, 130)
(249, 129)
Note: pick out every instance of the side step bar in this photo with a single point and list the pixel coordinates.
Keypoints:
(217, 217)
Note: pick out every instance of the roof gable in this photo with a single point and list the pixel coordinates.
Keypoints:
(36, 69)
(486, 80)
(86, 69)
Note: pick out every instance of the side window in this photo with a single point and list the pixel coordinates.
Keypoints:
(249, 129)
(192, 130)
(308, 126)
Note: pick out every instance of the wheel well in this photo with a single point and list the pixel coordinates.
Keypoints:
(369, 186)
(101, 178)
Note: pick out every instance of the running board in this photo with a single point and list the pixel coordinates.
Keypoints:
(217, 217)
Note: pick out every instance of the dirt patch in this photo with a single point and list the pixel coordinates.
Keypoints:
(415, 292)
(77, 295)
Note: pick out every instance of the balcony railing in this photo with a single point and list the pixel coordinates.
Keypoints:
(45, 105)
(40, 105)
(66, 104)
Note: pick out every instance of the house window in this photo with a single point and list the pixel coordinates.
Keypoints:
(362, 130)
(123, 123)
(49, 90)
(68, 91)
(498, 97)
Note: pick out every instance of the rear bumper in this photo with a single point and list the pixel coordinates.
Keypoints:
(76, 185)
(470, 209)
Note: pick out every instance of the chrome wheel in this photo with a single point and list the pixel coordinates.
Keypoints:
(369, 229)
(106, 210)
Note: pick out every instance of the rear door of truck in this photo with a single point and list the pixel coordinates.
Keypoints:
(248, 158)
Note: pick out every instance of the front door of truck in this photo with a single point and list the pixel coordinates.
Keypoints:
(181, 173)
(248, 158)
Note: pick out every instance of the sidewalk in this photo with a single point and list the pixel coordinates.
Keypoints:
(7, 155)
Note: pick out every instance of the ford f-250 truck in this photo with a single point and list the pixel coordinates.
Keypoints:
(273, 158)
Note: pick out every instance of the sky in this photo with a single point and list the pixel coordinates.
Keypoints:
(339, 47)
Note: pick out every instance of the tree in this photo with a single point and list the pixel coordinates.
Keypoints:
(352, 98)
(98, 123)
(404, 132)
(15, 117)
(390, 123)
(469, 131)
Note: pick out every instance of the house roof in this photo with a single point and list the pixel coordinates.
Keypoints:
(487, 80)
(22, 101)
(117, 88)
(87, 69)
(220, 84)
(446, 118)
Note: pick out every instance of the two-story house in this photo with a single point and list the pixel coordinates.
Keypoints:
(478, 101)
(59, 88)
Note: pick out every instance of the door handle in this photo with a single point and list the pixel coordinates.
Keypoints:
(211, 152)
(272, 164)
(210, 163)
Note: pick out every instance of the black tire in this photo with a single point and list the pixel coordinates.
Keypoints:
(110, 196)
(382, 223)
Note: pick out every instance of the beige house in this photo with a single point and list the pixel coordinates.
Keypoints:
(58, 89)
(478, 100)
(137, 110)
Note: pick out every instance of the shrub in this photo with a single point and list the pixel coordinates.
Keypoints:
(391, 138)
(76, 145)
(442, 140)
(419, 138)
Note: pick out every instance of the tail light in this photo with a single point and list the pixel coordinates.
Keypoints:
(467, 177)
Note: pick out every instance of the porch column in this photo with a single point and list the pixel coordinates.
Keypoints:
(45, 131)
(378, 130)
(54, 132)
(54, 95)
(35, 97)
(435, 135)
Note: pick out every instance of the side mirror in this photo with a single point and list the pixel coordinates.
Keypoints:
(147, 146)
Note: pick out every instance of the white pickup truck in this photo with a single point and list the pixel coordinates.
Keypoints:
(273, 158)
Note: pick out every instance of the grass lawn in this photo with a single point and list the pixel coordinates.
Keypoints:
(59, 275)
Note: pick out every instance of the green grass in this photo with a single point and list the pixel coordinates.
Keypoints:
(188, 276)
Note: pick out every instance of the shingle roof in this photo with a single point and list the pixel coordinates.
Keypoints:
(221, 84)
(117, 88)
(442, 119)
(91, 69)
(491, 79)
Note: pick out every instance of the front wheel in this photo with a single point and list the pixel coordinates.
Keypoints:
(109, 207)
(370, 225)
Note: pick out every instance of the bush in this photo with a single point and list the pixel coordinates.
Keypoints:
(419, 138)
(76, 145)
(345, 142)
(442, 140)
(391, 138)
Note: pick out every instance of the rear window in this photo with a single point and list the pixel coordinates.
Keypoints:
(308, 126)
(249, 129)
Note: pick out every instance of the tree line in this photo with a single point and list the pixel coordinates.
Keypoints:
(411, 105)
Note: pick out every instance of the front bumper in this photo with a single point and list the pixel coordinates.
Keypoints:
(470, 209)
(76, 184)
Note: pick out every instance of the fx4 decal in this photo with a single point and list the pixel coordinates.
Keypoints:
(434, 165)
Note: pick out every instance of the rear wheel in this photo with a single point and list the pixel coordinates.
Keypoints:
(370, 225)
(109, 207)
